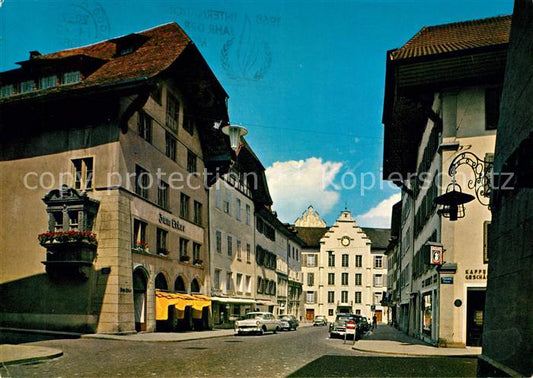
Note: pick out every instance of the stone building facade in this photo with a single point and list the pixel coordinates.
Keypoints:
(442, 117)
(122, 131)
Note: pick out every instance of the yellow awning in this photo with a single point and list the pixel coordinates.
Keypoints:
(180, 301)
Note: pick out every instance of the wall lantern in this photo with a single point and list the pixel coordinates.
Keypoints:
(235, 132)
(454, 199)
(453, 202)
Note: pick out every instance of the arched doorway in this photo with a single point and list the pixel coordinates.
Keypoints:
(161, 282)
(139, 299)
(179, 285)
(195, 286)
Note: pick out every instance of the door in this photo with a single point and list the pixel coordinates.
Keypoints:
(309, 314)
(475, 306)
(139, 299)
(379, 316)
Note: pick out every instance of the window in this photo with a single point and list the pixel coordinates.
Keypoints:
(358, 279)
(73, 220)
(197, 213)
(344, 296)
(218, 196)
(377, 298)
(331, 258)
(27, 86)
(219, 241)
(331, 278)
(162, 241)
(248, 284)
(331, 297)
(144, 126)
(239, 282)
(216, 280)
(191, 162)
(188, 123)
(378, 280)
(139, 232)
(184, 206)
(142, 178)
(248, 252)
(344, 279)
(47, 82)
(227, 203)
(330, 312)
(238, 208)
(184, 244)
(83, 173)
(71, 77)
(162, 194)
(297, 255)
(173, 112)
(378, 262)
(157, 93)
(310, 279)
(358, 261)
(345, 260)
(248, 214)
(310, 297)
(7, 90)
(260, 285)
(357, 297)
(311, 261)
(196, 248)
(239, 252)
(171, 146)
(492, 107)
(230, 245)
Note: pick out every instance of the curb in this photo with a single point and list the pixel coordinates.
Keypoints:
(52, 353)
(117, 338)
(414, 354)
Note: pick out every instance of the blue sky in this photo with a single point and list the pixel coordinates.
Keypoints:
(305, 77)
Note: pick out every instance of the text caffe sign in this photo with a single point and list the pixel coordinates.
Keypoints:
(475, 274)
(174, 223)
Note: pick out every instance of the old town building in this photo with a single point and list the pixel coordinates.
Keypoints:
(107, 151)
(440, 115)
(344, 267)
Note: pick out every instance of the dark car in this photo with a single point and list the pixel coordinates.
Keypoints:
(291, 321)
(320, 320)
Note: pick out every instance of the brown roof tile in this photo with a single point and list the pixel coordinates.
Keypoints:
(434, 40)
(311, 235)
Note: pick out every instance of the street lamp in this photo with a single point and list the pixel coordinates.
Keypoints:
(235, 132)
(453, 200)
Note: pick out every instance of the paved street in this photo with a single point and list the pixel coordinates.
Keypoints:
(306, 352)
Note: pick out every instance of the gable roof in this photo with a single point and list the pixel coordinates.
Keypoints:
(435, 40)
(311, 235)
(154, 50)
(378, 236)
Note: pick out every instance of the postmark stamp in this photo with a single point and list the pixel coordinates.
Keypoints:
(83, 22)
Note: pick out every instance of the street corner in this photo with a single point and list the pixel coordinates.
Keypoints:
(22, 354)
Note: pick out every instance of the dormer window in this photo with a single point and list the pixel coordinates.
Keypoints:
(71, 77)
(129, 43)
(27, 86)
(47, 82)
(125, 50)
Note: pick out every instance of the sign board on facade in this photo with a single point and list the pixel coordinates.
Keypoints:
(446, 280)
(434, 253)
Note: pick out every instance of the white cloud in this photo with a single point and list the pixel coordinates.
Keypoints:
(294, 185)
(379, 216)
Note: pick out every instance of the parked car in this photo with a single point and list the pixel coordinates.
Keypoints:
(338, 327)
(320, 320)
(289, 322)
(257, 322)
(364, 325)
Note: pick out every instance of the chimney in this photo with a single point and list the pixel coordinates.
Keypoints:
(34, 54)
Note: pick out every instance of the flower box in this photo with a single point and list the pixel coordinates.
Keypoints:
(72, 236)
(163, 251)
(184, 258)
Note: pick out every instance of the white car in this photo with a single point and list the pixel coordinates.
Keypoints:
(257, 322)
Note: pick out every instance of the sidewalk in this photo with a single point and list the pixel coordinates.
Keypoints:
(388, 340)
(19, 354)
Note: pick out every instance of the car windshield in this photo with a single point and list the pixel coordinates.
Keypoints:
(344, 318)
(253, 316)
(285, 318)
(319, 317)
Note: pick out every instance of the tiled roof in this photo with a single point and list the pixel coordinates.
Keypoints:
(311, 235)
(159, 48)
(434, 40)
(378, 236)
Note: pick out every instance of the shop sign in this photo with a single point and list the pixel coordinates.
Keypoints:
(446, 280)
(475, 274)
(174, 223)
